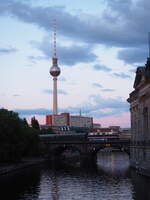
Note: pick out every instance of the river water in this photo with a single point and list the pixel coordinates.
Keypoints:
(112, 179)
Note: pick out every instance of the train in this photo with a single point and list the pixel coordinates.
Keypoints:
(104, 137)
(83, 137)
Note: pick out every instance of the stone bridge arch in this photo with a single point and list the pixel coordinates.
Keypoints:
(95, 149)
(87, 149)
(59, 149)
(121, 149)
(55, 151)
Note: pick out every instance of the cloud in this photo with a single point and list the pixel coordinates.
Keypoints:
(132, 70)
(101, 68)
(68, 55)
(115, 106)
(121, 75)
(111, 28)
(16, 95)
(97, 108)
(97, 85)
(62, 79)
(38, 111)
(46, 91)
(34, 59)
(108, 90)
(133, 55)
(112, 103)
(121, 24)
(7, 50)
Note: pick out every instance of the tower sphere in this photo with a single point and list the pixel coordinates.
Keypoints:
(55, 71)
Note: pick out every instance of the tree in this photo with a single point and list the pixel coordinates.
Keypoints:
(47, 131)
(25, 122)
(17, 139)
(35, 123)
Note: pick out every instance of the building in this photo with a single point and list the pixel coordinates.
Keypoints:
(139, 101)
(65, 119)
(125, 133)
(115, 128)
(57, 120)
(96, 125)
(81, 121)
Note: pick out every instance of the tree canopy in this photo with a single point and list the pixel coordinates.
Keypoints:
(17, 139)
(35, 123)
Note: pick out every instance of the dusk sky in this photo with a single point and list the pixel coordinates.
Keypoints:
(100, 43)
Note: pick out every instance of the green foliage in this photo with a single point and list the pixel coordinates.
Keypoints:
(35, 123)
(25, 122)
(17, 139)
(47, 131)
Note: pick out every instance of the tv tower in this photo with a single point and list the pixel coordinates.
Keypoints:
(54, 71)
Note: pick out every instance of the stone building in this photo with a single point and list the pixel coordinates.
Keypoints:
(139, 101)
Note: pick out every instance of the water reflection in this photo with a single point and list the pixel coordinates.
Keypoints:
(111, 179)
(141, 186)
(21, 184)
(114, 163)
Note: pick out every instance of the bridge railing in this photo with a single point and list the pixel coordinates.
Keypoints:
(79, 138)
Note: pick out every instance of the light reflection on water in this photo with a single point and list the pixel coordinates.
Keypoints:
(112, 179)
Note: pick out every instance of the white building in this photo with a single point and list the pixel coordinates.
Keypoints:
(65, 119)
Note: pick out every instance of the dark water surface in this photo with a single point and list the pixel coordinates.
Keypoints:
(112, 179)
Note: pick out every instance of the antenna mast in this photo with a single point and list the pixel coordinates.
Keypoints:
(54, 48)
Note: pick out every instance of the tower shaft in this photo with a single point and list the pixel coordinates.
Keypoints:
(54, 96)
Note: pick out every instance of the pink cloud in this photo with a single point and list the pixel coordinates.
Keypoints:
(122, 120)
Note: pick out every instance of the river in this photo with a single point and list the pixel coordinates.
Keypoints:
(112, 179)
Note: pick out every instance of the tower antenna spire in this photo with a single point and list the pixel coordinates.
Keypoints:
(54, 47)
(149, 44)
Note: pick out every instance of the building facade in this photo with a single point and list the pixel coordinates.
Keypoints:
(139, 101)
(96, 125)
(65, 119)
(125, 133)
(81, 121)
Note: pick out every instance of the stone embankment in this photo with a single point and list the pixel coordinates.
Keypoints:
(14, 167)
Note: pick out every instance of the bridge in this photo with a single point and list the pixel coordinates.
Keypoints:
(56, 144)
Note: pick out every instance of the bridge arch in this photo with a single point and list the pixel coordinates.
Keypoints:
(57, 144)
(58, 150)
(65, 154)
(95, 149)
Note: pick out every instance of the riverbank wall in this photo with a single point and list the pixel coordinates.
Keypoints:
(141, 168)
(6, 168)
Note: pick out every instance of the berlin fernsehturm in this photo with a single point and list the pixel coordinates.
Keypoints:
(54, 71)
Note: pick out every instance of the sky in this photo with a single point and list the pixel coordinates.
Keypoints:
(100, 43)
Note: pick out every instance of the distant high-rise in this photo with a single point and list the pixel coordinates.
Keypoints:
(54, 71)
